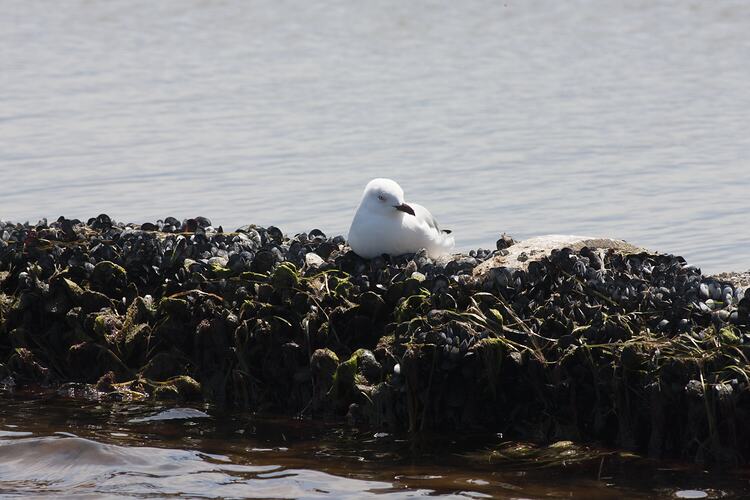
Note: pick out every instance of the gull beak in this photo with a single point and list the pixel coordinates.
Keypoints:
(404, 208)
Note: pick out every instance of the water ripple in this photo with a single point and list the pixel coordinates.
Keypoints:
(604, 118)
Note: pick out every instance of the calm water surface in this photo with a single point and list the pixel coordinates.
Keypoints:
(57, 447)
(628, 119)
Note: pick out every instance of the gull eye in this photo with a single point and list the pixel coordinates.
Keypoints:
(381, 197)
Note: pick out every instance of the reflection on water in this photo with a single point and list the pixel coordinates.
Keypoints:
(61, 447)
(171, 414)
(66, 465)
(627, 119)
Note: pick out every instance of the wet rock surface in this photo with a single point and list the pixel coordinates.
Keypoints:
(596, 341)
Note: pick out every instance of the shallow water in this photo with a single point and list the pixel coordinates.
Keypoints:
(55, 447)
(627, 119)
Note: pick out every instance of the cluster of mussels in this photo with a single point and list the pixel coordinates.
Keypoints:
(570, 345)
(610, 296)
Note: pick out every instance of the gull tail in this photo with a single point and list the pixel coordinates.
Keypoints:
(445, 242)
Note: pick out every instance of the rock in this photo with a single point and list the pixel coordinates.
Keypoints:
(90, 361)
(539, 247)
(24, 365)
(603, 334)
(164, 365)
(504, 242)
(183, 387)
(369, 367)
(323, 365)
(313, 260)
(109, 279)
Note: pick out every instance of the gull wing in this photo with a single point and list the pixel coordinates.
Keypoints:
(424, 215)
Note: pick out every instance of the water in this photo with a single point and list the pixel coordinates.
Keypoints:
(57, 447)
(626, 119)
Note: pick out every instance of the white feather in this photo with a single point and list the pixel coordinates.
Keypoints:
(380, 227)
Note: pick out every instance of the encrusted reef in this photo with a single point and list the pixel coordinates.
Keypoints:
(589, 342)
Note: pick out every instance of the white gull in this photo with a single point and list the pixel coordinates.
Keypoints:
(385, 224)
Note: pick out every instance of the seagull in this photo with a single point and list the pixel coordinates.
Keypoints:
(385, 224)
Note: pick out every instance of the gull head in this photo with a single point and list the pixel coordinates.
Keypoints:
(385, 196)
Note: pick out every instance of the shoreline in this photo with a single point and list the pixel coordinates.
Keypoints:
(596, 341)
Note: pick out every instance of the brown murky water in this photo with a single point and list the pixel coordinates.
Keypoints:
(54, 446)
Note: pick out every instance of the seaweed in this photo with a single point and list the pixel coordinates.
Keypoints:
(634, 350)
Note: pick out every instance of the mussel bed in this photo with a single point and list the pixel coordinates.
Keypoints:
(638, 351)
